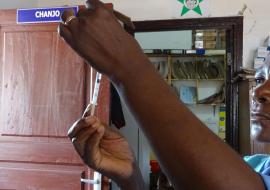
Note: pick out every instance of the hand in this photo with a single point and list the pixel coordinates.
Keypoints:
(98, 37)
(102, 148)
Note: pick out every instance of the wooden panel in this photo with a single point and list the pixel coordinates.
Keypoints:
(103, 110)
(39, 177)
(23, 67)
(50, 153)
(43, 85)
(68, 88)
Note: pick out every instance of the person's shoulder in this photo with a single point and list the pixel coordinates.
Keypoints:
(261, 164)
(256, 156)
(266, 181)
(258, 161)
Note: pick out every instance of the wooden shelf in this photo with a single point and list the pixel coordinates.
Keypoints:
(198, 79)
(196, 104)
(211, 79)
(182, 55)
(192, 82)
(208, 53)
(184, 79)
(214, 104)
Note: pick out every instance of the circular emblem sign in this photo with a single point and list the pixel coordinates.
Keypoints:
(191, 4)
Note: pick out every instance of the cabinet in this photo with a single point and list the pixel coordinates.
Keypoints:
(198, 79)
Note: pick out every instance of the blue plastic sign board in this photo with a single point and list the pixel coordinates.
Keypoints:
(41, 15)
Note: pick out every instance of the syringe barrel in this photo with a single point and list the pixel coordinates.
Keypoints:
(96, 89)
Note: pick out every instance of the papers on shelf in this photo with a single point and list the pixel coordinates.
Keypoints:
(188, 94)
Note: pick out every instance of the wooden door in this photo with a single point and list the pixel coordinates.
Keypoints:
(44, 89)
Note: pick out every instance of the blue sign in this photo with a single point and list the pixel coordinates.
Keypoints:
(41, 15)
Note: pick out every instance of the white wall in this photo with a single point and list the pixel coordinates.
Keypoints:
(256, 13)
(256, 16)
(11, 4)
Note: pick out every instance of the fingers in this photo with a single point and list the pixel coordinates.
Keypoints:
(87, 112)
(124, 19)
(83, 11)
(66, 15)
(93, 4)
(87, 142)
(65, 33)
(80, 139)
(70, 20)
(97, 132)
(83, 135)
(91, 147)
(80, 125)
(111, 133)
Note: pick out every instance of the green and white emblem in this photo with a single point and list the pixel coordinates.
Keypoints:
(191, 5)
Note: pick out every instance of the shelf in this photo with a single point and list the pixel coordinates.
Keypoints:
(198, 79)
(195, 104)
(217, 104)
(182, 55)
(189, 53)
(184, 79)
(211, 79)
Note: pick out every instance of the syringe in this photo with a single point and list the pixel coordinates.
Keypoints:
(94, 98)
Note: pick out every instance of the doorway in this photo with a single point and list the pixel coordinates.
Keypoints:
(198, 59)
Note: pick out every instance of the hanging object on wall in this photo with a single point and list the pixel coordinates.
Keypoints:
(191, 5)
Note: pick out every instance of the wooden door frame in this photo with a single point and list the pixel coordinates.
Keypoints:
(234, 28)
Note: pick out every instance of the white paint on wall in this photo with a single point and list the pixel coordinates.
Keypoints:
(14, 4)
(256, 15)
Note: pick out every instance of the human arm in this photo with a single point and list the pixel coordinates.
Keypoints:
(191, 155)
(106, 151)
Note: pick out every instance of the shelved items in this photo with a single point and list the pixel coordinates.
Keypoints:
(198, 79)
(222, 126)
(191, 71)
(209, 39)
(261, 54)
(161, 65)
(198, 68)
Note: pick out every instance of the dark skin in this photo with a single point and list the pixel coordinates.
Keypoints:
(190, 154)
(107, 151)
(260, 112)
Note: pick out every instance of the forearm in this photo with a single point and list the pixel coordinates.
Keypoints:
(190, 154)
(135, 182)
